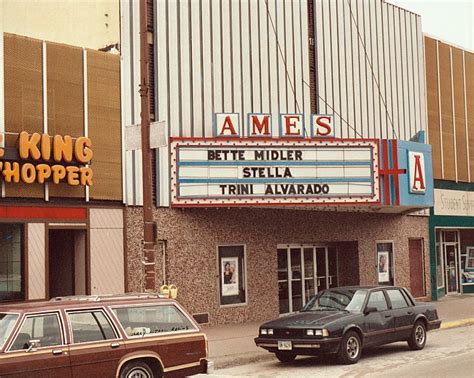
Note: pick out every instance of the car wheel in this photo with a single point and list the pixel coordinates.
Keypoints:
(417, 338)
(350, 348)
(137, 369)
(285, 357)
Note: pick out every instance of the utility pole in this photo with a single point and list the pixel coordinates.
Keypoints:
(148, 223)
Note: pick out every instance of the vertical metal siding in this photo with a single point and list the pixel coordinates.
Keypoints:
(370, 69)
(304, 35)
(36, 261)
(106, 251)
(215, 56)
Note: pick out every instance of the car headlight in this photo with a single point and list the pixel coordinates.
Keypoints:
(263, 331)
(317, 332)
(270, 331)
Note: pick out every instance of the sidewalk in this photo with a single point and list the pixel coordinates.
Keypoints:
(232, 344)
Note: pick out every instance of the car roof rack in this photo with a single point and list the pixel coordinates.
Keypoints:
(104, 297)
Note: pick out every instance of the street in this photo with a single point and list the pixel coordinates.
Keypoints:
(448, 353)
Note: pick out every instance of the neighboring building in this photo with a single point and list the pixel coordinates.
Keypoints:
(450, 92)
(61, 209)
(237, 250)
(91, 24)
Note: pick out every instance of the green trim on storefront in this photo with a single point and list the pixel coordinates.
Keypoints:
(450, 185)
(440, 221)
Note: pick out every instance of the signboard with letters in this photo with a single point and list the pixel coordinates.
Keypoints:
(453, 203)
(42, 158)
(252, 162)
(221, 172)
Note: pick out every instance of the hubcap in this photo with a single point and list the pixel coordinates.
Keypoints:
(138, 373)
(419, 335)
(352, 347)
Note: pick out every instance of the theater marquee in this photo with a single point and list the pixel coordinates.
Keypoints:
(219, 172)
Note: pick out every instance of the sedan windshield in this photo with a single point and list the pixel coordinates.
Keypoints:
(337, 300)
(7, 321)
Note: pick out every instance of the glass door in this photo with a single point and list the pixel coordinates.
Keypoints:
(332, 266)
(322, 267)
(296, 289)
(452, 278)
(309, 263)
(283, 287)
(304, 270)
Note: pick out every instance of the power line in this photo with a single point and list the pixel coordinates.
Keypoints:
(371, 69)
(282, 57)
(336, 113)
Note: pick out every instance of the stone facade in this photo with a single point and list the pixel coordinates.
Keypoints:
(192, 235)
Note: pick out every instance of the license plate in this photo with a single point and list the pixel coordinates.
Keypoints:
(284, 345)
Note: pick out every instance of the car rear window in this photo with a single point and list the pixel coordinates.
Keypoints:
(7, 321)
(152, 320)
(397, 299)
(89, 326)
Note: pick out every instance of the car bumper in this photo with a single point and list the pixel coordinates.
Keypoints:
(302, 346)
(434, 324)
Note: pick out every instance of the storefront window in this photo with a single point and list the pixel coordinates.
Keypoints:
(11, 262)
(470, 259)
(232, 274)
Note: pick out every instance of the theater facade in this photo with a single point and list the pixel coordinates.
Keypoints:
(294, 161)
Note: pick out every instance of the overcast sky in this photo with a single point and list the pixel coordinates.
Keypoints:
(449, 20)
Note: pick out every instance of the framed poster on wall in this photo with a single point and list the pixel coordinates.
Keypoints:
(231, 260)
(384, 263)
(383, 266)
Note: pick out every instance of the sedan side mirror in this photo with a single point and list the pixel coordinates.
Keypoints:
(33, 345)
(369, 310)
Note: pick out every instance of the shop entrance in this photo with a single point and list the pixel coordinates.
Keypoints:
(417, 270)
(66, 262)
(303, 270)
(452, 278)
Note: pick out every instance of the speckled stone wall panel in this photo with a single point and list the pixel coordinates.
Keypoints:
(193, 235)
(348, 264)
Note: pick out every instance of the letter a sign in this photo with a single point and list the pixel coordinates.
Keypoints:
(417, 172)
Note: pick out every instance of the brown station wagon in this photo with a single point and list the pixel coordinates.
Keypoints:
(101, 336)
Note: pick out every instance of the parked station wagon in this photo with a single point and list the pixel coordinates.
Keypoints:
(343, 321)
(101, 336)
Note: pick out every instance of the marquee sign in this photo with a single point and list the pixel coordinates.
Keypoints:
(43, 158)
(219, 172)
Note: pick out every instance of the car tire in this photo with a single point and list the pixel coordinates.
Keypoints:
(285, 357)
(350, 349)
(417, 338)
(136, 369)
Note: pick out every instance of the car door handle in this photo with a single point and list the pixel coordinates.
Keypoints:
(388, 315)
(114, 345)
(57, 351)
(410, 312)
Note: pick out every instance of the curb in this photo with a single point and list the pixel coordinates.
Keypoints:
(241, 359)
(457, 323)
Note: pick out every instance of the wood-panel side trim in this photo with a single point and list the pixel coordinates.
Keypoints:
(45, 107)
(86, 106)
(2, 101)
(466, 122)
(440, 112)
(453, 115)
